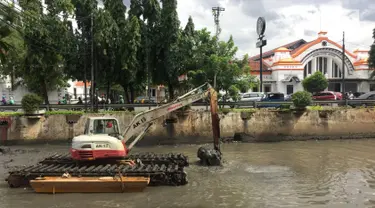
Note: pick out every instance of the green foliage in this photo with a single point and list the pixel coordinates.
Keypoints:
(67, 112)
(245, 83)
(315, 83)
(9, 114)
(316, 108)
(234, 93)
(45, 51)
(212, 57)
(301, 99)
(31, 102)
(46, 36)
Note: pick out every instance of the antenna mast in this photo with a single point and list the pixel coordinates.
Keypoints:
(216, 12)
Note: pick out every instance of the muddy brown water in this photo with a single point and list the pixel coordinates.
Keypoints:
(286, 174)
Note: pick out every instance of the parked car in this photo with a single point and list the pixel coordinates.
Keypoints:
(272, 97)
(327, 95)
(363, 98)
(252, 96)
(143, 99)
(357, 94)
(288, 97)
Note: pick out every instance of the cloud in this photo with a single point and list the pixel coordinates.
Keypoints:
(287, 20)
(309, 32)
(365, 7)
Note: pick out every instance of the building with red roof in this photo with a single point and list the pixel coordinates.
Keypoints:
(285, 67)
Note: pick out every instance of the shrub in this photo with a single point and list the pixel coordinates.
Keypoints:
(31, 102)
(301, 99)
(315, 83)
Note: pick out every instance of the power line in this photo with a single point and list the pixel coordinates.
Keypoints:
(43, 45)
(21, 11)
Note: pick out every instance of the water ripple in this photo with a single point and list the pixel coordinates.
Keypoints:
(286, 174)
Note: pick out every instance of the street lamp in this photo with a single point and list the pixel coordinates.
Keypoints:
(261, 27)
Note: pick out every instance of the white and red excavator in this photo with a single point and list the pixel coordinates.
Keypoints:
(102, 138)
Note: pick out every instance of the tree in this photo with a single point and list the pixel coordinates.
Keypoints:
(217, 57)
(11, 43)
(46, 35)
(315, 83)
(8, 16)
(169, 67)
(371, 59)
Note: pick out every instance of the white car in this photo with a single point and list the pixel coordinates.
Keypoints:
(252, 96)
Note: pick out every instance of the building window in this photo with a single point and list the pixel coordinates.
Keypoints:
(372, 87)
(351, 87)
(75, 93)
(289, 89)
(336, 87)
(336, 72)
(321, 64)
(307, 69)
(267, 88)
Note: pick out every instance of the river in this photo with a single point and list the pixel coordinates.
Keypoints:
(286, 174)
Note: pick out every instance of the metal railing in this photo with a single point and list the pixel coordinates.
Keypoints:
(249, 104)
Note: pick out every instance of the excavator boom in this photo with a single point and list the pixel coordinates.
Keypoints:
(142, 121)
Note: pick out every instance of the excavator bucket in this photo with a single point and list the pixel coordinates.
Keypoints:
(212, 157)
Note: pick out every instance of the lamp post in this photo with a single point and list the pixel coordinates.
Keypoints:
(261, 27)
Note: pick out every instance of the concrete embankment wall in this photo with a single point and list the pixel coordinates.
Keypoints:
(195, 127)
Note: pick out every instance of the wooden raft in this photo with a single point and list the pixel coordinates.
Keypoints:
(116, 184)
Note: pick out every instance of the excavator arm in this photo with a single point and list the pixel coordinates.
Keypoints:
(143, 121)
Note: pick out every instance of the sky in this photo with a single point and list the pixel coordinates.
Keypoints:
(287, 20)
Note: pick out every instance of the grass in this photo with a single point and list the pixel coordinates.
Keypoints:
(64, 112)
(8, 114)
(327, 108)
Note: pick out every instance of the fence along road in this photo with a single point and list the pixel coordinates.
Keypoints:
(197, 106)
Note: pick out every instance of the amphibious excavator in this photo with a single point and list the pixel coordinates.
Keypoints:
(102, 150)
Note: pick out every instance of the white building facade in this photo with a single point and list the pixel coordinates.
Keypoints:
(75, 90)
(284, 68)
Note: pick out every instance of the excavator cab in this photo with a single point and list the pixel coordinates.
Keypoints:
(100, 125)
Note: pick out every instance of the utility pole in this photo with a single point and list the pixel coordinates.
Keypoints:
(147, 65)
(343, 63)
(92, 62)
(85, 65)
(216, 12)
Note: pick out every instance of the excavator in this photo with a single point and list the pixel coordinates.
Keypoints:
(103, 150)
(102, 138)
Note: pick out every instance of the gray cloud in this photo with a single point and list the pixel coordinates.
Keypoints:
(309, 32)
(365, 7)
(256, 9)
(368, 15)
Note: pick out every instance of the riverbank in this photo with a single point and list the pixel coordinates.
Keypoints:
(194, 127)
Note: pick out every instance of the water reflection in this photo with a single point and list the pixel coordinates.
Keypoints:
(287, 174)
